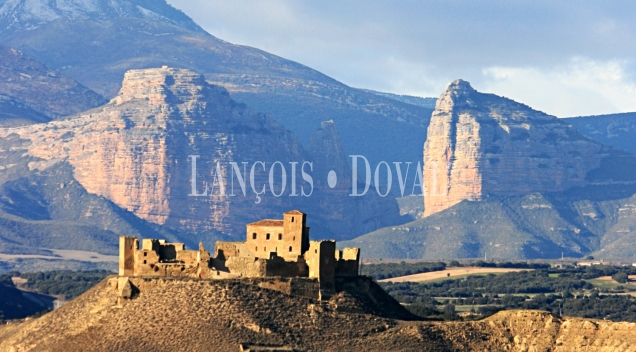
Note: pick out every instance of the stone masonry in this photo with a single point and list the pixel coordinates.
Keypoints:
(273, 248)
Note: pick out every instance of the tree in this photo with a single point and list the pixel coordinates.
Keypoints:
(589, 257)
(449, 312)
(454, 263)
(621, 277)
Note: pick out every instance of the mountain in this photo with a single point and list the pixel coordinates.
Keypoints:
(97, 41)
(615, 130)
(503, 179)
(136, 156)
(409, 99)
(31, 92)
(482, 144)
(597, 221)
(235, 315)
(16, 15)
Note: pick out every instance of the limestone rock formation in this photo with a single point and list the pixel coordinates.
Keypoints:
(136, 151)
(482, 144)
(78, 37)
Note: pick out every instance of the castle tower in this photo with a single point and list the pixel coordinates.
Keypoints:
(296, 233)
(127, 248)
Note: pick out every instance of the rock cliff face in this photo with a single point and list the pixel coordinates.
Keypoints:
(482, 144)
(136, 151)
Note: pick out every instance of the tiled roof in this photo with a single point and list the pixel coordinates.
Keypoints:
(294, 212)
(268, 222)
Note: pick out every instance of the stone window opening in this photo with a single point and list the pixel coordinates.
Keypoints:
(144, 262)
(280, 236)
(256, 250)
(254, 236)
(265, 249)
(292, 219)
(294, 238)
(267, 237)
(290, 248)
(316, 251)
(145, 254)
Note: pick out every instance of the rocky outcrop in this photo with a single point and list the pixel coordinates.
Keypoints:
(482, 144)
(137, 152)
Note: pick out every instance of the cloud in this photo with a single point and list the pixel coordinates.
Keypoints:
(416, 47)
(580, 87)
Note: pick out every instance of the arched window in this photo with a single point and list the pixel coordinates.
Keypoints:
(280, 236)
(254, 236)
(290, 248)
(267, 237)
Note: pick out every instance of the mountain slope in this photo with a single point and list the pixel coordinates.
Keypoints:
(31, 92)
(231, 315)
(504, 179)
(137, 151)
(616, 130)
(50, 209)
(18, 15)
(296, 96)
(597, 220)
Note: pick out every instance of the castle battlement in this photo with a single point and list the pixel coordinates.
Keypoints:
(273, 248)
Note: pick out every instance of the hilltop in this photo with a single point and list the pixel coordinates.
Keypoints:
(225, 314)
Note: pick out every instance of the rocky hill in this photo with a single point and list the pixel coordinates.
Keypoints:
(504, 180)
(77, 39)
(31, 92)
(228, 315)
(134, 153)
(481, 144)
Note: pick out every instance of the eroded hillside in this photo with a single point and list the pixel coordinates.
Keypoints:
(199, 315)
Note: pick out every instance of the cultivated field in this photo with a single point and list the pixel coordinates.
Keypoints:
(454, 273)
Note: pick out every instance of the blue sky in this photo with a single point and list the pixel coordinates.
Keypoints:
(566, 58)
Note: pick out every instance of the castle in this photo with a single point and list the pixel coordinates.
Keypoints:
(273, 248)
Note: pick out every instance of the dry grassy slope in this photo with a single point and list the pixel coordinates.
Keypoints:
(196, 315)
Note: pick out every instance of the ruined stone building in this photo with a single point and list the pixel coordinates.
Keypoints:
(273, 248)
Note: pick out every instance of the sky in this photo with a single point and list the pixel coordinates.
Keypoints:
(566, 58)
